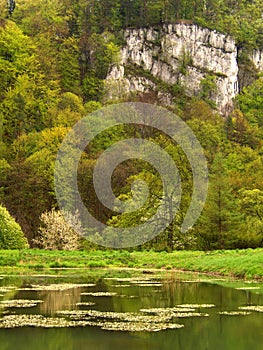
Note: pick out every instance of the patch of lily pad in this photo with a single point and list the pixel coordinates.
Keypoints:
(7, 289)
(146, 283)
(149, 284)
(158, 310)
(15, 321)
(234, 313)
(19, 303)
(120, 285)
(122, 321)
(57, 287)
(175, 312)
(89, 303)
(196, 306)
(99, 294)
(138, 326)
(247, 288)
(123, 316)
(258, 308)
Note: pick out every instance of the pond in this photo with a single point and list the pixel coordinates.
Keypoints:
(119, 310)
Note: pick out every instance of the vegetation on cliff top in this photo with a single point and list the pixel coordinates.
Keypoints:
(54, 57)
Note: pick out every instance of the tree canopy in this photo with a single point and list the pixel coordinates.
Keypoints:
(54, 57)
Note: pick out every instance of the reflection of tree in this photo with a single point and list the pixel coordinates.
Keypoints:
(59, 300)
(9, 294)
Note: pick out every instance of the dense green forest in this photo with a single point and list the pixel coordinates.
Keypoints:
(54, 58)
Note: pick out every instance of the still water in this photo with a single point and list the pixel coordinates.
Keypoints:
(124, 301)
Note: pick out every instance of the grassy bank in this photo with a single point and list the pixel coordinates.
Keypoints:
(239, 263)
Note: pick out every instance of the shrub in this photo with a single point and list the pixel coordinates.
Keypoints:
(60, 231)
(11, 235)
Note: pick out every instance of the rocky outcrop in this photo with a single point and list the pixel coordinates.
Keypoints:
(257, 58)
(179, 55)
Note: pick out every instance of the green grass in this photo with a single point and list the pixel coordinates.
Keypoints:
(246, 264)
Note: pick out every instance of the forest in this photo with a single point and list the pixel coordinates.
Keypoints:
(54, 58)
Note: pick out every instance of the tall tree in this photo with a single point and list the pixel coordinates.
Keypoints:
(219, 222)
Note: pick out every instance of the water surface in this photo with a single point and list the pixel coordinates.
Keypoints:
(62, 294)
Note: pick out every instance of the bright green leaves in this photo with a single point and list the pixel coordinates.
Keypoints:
(25, 106)
(11, 235)
(251, 204)
(251, 101)
(25, 96)
(16, 55)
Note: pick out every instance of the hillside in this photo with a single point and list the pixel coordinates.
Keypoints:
(203, 60)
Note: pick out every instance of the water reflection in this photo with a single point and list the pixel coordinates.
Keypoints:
(217, 332)
(59, 300)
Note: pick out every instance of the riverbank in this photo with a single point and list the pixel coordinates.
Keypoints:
(246, 264)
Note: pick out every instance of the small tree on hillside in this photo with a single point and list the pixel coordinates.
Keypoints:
(11, 235)
(220, 220)
(60, 231)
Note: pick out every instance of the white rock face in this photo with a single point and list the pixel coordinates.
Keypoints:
(257, 58)
(184, 54)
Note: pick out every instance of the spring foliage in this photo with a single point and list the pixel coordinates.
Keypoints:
(54, 57)
(11, 235)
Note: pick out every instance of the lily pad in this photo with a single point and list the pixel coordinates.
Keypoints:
(167, 309)
(14, 321)
(175, 312)
(247, 288)
(138, 326)
(150, 284)
(19, 303)
(121, 285)
(258, 308)
(7, 289)
(234, 313)
(57, 287)
(124, 316)
(86, 304)
(196, 306)
(99, 294)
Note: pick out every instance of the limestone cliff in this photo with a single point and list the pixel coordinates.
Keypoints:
(179, 55)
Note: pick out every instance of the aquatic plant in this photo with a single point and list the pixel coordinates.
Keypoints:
(234, 313)
(258, 308)
(99, 294)
(56, 287)
(17, 303)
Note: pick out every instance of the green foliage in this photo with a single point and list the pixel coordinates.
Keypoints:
(25, 96)
(92, 106)
(208, 88)
(185, 60)
(54, 57)
(69, 54)
(219, 222)
(40, 16)
(251, 203)
(16, 55)
(4, 167)
(102, 53)
(93, 88)
(239, 130)
(245, 264)
(11, 235)
(251, 100)
(68, 110)
(31, 175)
